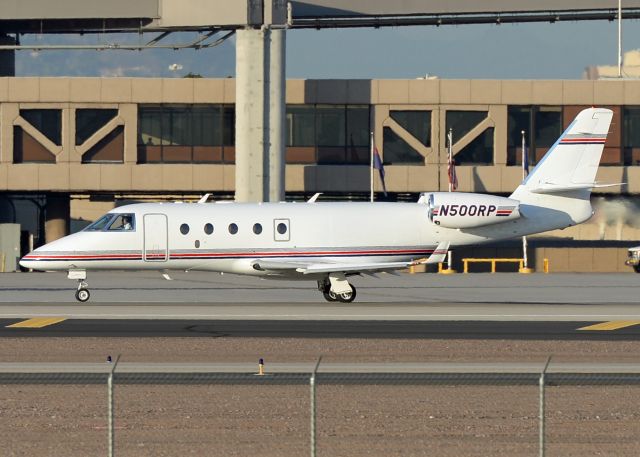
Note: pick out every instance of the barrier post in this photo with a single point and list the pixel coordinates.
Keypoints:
(110, 407)
(312, 385)
(541, 405)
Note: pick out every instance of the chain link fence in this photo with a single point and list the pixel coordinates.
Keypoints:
(348, 408)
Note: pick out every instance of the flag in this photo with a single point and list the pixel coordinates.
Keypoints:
(451, 170)
(377, 164)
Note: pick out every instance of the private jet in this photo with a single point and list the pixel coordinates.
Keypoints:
(331, 242)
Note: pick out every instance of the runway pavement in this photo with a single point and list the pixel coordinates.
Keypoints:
(556, 306)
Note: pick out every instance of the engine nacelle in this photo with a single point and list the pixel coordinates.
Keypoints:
(465, 210)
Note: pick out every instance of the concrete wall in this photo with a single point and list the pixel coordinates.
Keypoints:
(68, 94)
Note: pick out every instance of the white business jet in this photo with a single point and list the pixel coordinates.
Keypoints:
(331, 242)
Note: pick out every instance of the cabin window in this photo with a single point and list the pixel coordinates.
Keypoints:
(208, 229)
(100, 224)
(257, 229)
(123, 223)
(282, 228)
(233, 228)
(184, 229)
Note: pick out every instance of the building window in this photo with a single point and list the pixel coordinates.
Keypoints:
(462, 122)
(479, 151)
(27, 150)
(544, 121)
(89, 121)
(417, 123)
(186, 134)
(631, 134)
(397, 151)
(46, 121)
(328, 134)
(109, 149)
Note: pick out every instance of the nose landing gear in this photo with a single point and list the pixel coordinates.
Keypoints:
(82, 293)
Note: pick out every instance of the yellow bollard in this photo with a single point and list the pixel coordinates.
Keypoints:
(524, 270)
(261, 367)
(546, 265)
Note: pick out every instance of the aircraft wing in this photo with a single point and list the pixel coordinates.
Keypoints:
(437, 256)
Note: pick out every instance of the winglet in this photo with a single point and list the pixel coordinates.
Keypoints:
(314, 198)
(439, 254)
(204, 198)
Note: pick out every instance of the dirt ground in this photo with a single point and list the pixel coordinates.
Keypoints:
(352, 420)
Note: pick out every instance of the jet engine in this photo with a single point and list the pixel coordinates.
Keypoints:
(461, 210)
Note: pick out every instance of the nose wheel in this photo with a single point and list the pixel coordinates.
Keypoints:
(82, 294)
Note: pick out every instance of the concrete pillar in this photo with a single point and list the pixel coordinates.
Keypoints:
(260, 93)
(57, 213)
(277, 111)
(7, 58)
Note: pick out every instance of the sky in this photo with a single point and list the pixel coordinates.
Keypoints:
(508, 51)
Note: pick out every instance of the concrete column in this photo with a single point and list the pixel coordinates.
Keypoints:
(277, 111)
(260, 115)
(57, 213)
(7, 58)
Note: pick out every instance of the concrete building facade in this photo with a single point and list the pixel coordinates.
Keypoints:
(79, 144)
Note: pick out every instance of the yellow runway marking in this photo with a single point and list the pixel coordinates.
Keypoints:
(37, 322)
(613, 325)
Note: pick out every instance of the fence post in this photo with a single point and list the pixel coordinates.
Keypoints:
(110, 407)
(541, 385)
(312, 384)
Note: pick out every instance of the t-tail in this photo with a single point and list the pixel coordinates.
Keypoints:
(563, 179)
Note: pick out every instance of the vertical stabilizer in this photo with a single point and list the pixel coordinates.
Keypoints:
(572, 162)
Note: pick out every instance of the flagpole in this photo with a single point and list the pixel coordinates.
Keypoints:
(450, 157)
(619, 38)
(371, 171)
(525, 159)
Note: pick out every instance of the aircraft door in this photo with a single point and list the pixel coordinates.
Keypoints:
(155, 238)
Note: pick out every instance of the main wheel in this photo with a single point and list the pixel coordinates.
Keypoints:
(329, 296)
(82, 295)
(348, 297)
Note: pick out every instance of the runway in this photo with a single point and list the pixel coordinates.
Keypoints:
(483, 306)
(352, 329)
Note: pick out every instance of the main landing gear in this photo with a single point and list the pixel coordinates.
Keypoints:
(82, 294)
(337, 288)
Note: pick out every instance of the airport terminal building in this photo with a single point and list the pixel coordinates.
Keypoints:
(72, 148)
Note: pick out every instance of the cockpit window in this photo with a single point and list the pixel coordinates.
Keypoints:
(123, 222)
(100, 224)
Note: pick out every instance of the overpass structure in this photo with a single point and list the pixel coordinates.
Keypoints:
(260, 28)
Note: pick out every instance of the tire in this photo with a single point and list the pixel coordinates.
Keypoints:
(636, 268)
(349, 296)
(329, 296)
(82, 295)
